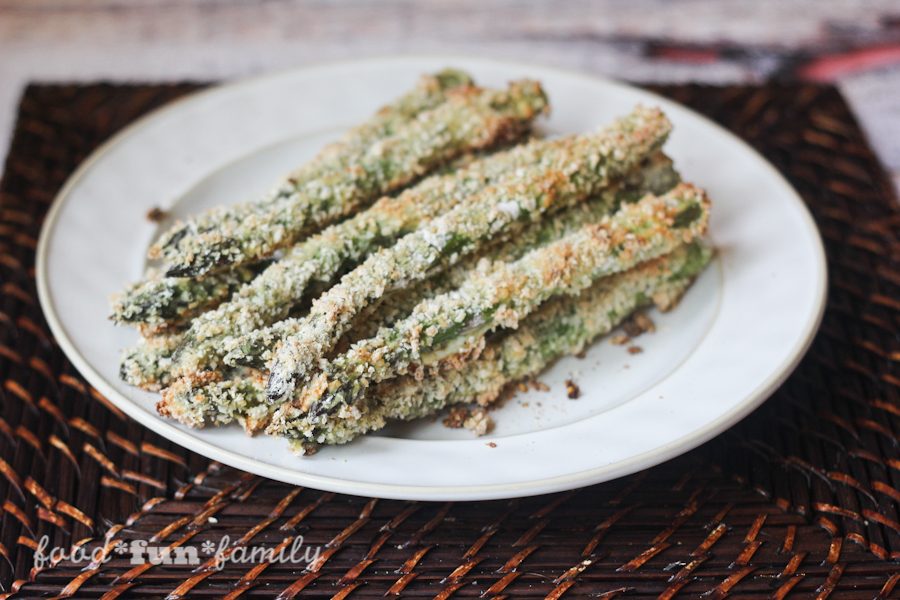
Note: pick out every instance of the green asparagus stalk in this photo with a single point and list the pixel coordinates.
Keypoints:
(277, 290)
(470, 119)
(145, 364)
(271, 296)
(158, 303)
(657, 175)
(430, 92)
(195, 399)
(209, 398)
(255, 348)
(218, 398)
(506, 293)
(166, 301)
(562, 326)
(302, 273)
(572, 169)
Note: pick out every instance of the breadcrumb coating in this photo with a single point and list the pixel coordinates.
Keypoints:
(509, 291)
(339, 182)
(570, 170)
(562, 326)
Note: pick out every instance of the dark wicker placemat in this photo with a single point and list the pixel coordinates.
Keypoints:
(801, 498)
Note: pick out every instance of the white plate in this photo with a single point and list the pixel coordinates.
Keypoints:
(737, 335)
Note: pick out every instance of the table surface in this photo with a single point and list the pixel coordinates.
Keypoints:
(853, 43)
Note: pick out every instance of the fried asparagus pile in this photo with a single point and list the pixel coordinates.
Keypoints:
(430, 257)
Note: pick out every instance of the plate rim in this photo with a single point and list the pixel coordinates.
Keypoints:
(529, 487)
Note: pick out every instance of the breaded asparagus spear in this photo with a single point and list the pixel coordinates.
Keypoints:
(470, 119)
(300, 273)
(506, 293)
(255, 348)
(145, 364)
(238, 328)
(656, 175)
(220, 399)
(215, 398)
(562, 326)
(271, 296)
(429, 92)
(241, 325)
(164, 301)
(157, 303)
(571, 170)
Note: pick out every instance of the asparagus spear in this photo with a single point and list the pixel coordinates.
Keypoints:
(255, 348)
(195, 399)
(274, 292)
(207, 397)
(509, 291)
(470, 119)
(272, 295)
(158, 303)
(237, 328)
(572, 169)
(430, 91)
(146, 364)
(165, 301)
(561, 327)
(217, 398)
(657, 175)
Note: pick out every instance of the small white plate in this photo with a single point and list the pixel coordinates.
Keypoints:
(736, 336)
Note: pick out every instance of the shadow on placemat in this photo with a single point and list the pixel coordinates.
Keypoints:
(802, 497)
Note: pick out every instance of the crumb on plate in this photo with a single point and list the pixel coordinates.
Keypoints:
(156, 215)
(540, 386)
(639, 323)
(456, 417)
(620, 339)
(479, 422)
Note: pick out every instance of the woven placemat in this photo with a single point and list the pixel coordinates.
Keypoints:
(801, 498)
